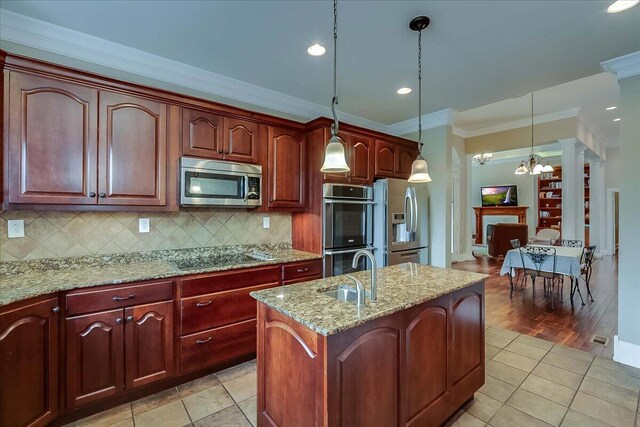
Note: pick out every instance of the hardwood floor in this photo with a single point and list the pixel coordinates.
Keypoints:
(562, 325)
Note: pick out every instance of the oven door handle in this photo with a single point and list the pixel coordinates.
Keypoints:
(349, 202)
(349, 251)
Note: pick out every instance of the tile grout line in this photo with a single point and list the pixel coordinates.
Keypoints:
(577, 390)
(185, 409)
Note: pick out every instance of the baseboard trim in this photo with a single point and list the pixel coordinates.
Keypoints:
(462, 257)
(626, 352)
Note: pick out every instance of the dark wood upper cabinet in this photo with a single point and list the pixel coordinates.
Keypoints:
(406, 156)
(133, 151)
(361, 159)
(286, 168)
(53, 139)
(94, 353)
(202, 134)
(386, 154)
(148, 343)
(29, 348)
(240, 140)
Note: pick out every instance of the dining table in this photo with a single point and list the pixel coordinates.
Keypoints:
(567, 263)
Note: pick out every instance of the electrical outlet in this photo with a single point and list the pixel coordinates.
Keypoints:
(15, 228)
(266, 222)
(143, 225)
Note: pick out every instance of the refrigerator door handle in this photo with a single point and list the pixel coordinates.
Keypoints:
(414, 216)
(408, 213)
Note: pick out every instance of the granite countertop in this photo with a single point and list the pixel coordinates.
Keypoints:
(23, 280)
(399, 287)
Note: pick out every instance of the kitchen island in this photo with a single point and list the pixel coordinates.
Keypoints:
(411, 358)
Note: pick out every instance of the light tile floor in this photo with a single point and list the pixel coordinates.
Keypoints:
(529, 382)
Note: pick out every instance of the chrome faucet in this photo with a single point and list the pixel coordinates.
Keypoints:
(374, 271)
(360, 293)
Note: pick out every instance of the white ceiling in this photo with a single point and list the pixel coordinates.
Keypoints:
(587, 97)
(475, 52)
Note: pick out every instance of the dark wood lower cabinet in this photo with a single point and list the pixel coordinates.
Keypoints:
(95, 362)
(412, 368)
(29, 346)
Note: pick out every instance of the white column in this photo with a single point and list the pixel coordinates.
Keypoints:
(597, 205)
(570, 169)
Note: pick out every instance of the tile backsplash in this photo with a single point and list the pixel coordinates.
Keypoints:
(50, 234)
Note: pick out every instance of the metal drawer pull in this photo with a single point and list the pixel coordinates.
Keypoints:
(204, 341)
(302, 270)
(118, 320)
(56, 309)
(203, 304)
(123, 298)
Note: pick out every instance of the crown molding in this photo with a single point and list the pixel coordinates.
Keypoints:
(515, 124)
(623, 66)
(429, 121)
(34, 33)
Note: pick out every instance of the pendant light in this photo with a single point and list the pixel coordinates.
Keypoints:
(533, 163)
(334, 160)
(419, 168)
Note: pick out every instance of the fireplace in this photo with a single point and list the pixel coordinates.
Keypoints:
(481, 211)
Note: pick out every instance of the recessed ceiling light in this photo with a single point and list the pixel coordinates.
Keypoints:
(617, 119)
(622, 5)
(404, 90)
(316, 50)
(611, 108)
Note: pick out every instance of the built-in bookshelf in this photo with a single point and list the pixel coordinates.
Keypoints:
(550, 200)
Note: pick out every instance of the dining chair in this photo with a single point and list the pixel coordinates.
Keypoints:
(570, 243)
(515, 244)
(586, 266)
(537, 261)
(546, 236)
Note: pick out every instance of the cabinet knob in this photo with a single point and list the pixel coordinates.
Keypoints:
(118, 320)
(226, 152)
(102, 195)
(92, 194)
(129, 318)
(220, 150)
(56, 309)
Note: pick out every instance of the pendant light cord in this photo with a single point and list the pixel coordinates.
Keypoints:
(334, 100)
(420, 92)
(531, 122)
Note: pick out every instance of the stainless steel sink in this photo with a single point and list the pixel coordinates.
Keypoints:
(344, 293)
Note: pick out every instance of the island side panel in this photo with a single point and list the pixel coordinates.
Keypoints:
(291, 372)
(466, 343)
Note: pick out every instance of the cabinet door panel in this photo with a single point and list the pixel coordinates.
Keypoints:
(467, 334)
(286, 168)
(361, 160)
(94, 357)
(52, 141)
(148, 343)
(405, 159)
(29, 347)
(385, 162)
(240, 140)
(201, 134)
(359, 374)
(426, 364)
(133, 150)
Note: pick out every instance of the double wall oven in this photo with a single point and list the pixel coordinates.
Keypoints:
(348, 226)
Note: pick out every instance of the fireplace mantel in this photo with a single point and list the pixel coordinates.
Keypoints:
(481, 211)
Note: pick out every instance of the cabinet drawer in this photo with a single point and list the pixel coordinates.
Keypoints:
(302, 270)
(214, 346)
(79, 302)
(206, 284)
(218, 309)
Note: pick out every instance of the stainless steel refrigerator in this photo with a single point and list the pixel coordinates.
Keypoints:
(400, 222)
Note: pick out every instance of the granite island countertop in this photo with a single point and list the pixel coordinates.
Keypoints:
(23, 280)
(399, 287)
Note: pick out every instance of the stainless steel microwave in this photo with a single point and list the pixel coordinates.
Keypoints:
(218, 183)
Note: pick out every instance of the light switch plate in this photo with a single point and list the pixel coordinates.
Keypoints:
(266, 222)
(15, 228)
(143, 225)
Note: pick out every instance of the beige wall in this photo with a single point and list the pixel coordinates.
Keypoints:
(60, 234)
(521, 137)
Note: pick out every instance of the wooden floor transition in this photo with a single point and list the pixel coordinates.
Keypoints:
(573, 328)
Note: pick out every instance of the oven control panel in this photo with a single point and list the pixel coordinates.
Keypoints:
(253, 190)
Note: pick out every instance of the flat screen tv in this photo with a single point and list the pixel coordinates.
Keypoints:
(500, 195)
